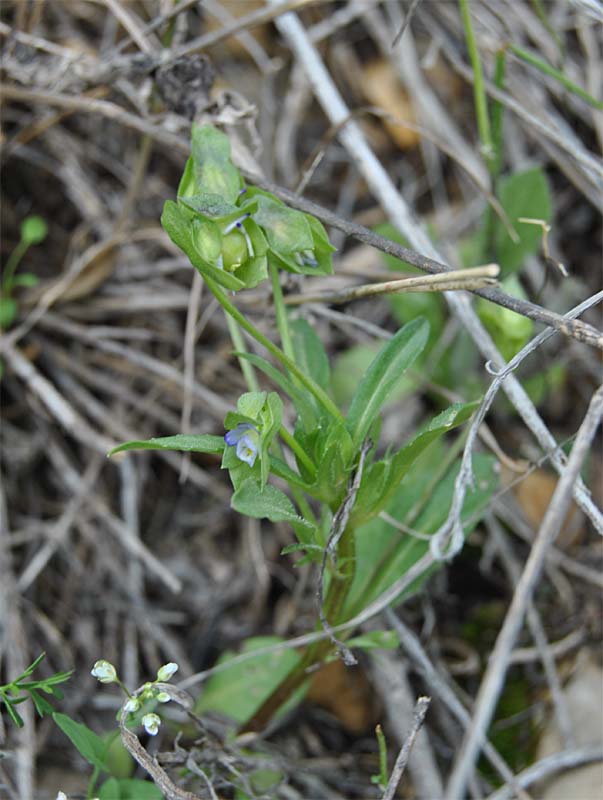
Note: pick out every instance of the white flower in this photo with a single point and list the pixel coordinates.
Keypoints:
(151, 723)
(104, 672)
(162, 697)
(132, 705)
(166, 672)
(62, 796)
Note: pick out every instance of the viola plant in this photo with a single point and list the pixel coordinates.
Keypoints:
(344, 486)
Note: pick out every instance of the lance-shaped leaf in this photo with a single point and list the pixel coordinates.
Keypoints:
(382, 376)
(187, 443)
(382, 479)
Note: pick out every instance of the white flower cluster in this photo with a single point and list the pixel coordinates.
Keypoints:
(105, 672)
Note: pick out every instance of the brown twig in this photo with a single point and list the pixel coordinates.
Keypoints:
(575, 329)
(403, 756)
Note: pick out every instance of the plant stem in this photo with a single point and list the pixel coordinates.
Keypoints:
(239, 345)
(12, 264)
(339, 587)
(282, 321)
(319, 393)
(295, 446)
(479, 91)
(498, 111)
(560, 77)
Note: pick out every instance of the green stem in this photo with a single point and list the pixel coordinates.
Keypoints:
(282, 321)
(497, 157)
(556, 74)
(12, 264)
(295, 446)
(239, 345)
(319, 393)
(339, 587)
(479, 90)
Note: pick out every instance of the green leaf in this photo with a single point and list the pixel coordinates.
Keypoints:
(524, 194)
(384, 477)
(299, 396)
(509, 330)
(188, 443)
(239, 691)
(250, 405)
(129, 789)
(384, 554)
(86, 742)
(42, 705)
(8, 311)
(10, 710)
(33, 230)
(383, 375)
(267, 503)
(25, 279)
(271, 417)
(310, 355)
(351, 367)
(214, 171)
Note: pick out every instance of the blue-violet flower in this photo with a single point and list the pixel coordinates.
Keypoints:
(246, 439)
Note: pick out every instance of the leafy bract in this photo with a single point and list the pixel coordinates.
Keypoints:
(383, 375)
(178, 226)
(214, 171)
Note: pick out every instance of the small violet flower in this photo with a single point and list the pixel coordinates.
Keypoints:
(246, 440)
(165, 673)
(104, 672)
(151, 723)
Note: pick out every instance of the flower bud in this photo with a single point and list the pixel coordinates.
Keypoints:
(151, 723)
(166, 672)
(104, 672)
(132, 705)
(162, 697)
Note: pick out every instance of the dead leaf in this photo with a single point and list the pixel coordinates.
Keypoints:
(383, 89)
(534, 493)
(346, 693)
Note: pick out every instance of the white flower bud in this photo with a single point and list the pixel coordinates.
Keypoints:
(62, 796)
(162, 697)
(166, 672)
(132, 705)
(104, 672)
(151, 723)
